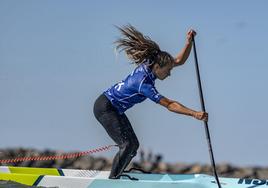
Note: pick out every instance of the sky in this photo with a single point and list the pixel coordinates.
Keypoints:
(57, 57)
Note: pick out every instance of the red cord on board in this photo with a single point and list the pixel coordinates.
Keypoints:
(65, 156)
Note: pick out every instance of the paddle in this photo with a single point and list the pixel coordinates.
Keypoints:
(203, 109)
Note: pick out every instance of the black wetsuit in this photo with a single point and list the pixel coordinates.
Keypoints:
(120, 130)
(109, 110)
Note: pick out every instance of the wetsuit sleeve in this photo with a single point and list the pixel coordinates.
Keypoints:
(149, 91)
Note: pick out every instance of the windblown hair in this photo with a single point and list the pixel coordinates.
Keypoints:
(140, 48)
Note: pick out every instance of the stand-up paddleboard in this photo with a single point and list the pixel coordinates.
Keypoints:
(69, 178)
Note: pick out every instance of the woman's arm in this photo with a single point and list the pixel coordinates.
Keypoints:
(185, 52)
(176, 107)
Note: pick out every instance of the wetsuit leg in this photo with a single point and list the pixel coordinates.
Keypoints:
(127, 150)
(120, 130)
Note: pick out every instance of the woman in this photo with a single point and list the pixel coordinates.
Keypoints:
(152, 64)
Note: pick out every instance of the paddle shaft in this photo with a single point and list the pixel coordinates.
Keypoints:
(204, 110)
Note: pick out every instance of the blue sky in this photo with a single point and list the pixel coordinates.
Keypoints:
(56, 57)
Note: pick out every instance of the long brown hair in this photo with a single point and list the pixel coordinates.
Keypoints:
(140, 48)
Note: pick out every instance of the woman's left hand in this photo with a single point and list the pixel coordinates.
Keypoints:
(190, 34)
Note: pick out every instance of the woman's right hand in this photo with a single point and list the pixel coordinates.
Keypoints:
(190, 34)
(201, 116)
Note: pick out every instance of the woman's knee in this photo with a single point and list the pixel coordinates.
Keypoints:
(130, 146)
(135, 144)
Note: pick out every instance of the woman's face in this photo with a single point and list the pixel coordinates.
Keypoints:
(162, 72)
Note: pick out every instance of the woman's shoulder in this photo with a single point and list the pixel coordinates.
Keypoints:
(137, 76)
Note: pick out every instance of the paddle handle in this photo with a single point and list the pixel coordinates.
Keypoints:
(204, 110)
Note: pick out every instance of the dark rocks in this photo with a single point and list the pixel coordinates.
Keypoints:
(149, 162)
(99, 163)
(85, 162)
